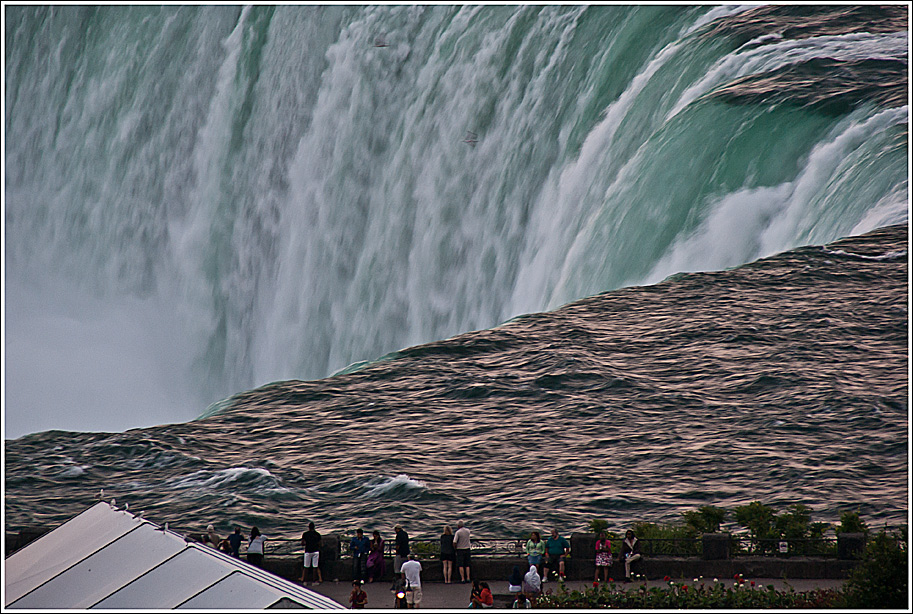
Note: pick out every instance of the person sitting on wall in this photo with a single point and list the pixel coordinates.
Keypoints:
(557, 548)
(630, 552)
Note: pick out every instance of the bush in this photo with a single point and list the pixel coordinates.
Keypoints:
(880, 580)
(668, 539)
(598, 525)
(707, 519)
(850, 522)
(759, 520)
(766, 529)
(425, 548)
(682, 595)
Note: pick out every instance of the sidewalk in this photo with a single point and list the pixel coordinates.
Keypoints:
(440, 596)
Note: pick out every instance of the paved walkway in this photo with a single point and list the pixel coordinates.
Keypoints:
(440, 596)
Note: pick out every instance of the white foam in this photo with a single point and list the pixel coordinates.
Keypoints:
(235, 477)
(387, 485)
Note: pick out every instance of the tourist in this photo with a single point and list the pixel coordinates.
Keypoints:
(402, 548)
(535, 550)
(212, 538)
(484, 598)
(474, 593)
(310, 540)
(532, 584)
(412, 569)
(358, 598)
(376, 565)
(235, 540)
(462, 543)
(448, 554)
(557, 548)
(255, 547)
(359, 547)
(514, 581)
(630, 552)
(399, 591)
(603, 556)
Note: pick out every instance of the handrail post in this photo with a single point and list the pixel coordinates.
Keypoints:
(715, 546)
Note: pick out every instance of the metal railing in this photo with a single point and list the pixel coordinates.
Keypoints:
(744, 545)
(739, 545)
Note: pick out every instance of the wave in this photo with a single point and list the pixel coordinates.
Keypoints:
(397, 487)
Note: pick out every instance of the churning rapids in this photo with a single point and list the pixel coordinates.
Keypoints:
(783, 380)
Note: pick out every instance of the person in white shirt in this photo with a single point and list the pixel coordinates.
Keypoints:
(461, 544)
(412, 569)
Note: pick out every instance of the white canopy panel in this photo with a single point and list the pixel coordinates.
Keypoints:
(108, 558)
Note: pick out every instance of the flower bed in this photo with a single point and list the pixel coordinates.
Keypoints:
(698, 594)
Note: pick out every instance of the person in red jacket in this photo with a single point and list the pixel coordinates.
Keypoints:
(358, 598)
(483, 598)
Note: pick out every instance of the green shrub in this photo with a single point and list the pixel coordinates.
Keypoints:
(759, 520)
(850, 522)
(707, 519)
(671, 539)
(880, 580)
(795, 526)
(598, 525)
(425, 548)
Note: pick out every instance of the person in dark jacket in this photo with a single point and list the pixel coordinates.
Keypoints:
(401, 554)
(234, 541)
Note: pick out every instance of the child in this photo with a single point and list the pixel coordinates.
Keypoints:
(358, 598)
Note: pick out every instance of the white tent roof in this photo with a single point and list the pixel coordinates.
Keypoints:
(109, 558)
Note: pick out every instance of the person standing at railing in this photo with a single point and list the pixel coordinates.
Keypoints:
(535, 550)
(376, 566)
(212, 538)
(448, 554)
(255, 547)
(359, 547)
(462, 544)
(310, 540)
(558, 549)
(630, 552)
(234, 541)
(401, 553)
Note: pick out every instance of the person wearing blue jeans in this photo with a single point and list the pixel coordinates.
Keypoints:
(359, 547)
